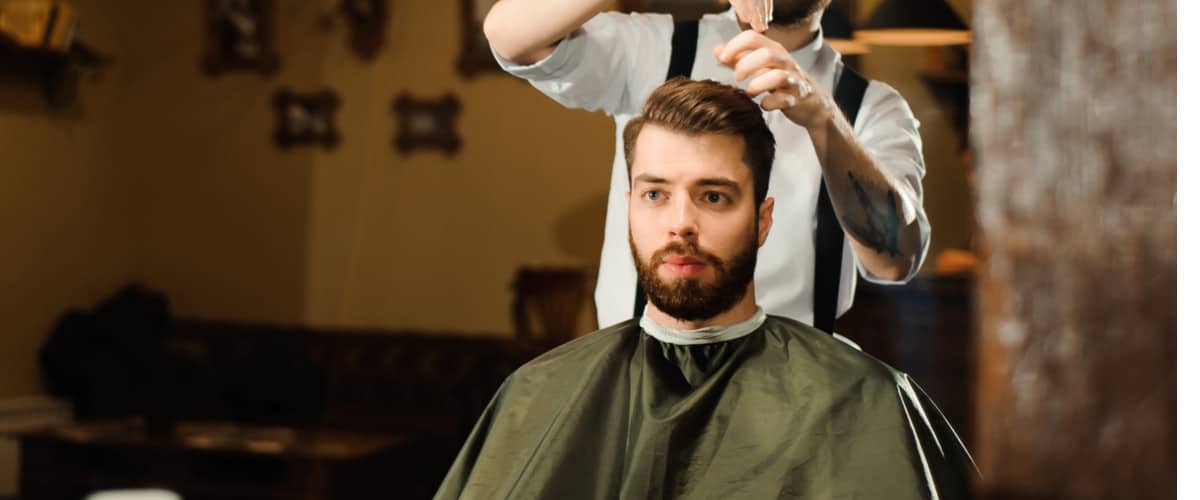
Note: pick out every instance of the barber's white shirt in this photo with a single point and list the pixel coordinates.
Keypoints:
(616, 60)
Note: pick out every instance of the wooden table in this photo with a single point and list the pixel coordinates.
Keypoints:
(208, 461)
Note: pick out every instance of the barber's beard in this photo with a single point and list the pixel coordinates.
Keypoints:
(691, 299)
(788, 12)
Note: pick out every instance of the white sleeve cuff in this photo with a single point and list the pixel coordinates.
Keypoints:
(551, 67)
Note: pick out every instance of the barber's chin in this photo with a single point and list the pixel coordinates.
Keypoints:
(683, 271)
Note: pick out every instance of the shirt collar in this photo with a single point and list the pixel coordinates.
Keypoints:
(706, 335)
(806, 56)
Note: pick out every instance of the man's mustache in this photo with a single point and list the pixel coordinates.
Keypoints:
(684, 249)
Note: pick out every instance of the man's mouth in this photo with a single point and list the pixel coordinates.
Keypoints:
(682, 260)
(683, 266)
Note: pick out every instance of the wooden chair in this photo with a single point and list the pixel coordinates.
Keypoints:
(549, 303)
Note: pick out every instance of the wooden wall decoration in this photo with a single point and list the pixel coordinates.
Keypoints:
(367, 21)
(427, 124)
(240, 37)
(306, 119)
(58, 74)
(476, 56)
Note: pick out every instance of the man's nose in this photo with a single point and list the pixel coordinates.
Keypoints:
(684, 224)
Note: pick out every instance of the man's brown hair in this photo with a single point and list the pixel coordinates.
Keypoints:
(707, 107)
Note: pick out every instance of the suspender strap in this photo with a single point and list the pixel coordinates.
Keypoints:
(851, 88)
(683, 55)
(683, 48)
(830, 239)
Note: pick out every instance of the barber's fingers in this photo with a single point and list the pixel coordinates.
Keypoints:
(774, 79)
(780, 100)
(753, 62)
(729, 52)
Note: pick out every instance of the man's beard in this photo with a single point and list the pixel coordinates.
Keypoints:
(788, 12)
(690, 299)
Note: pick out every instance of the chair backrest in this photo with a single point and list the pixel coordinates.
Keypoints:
(550, 303)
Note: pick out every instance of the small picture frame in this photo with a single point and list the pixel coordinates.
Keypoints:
(240, 36)
(476, 55)
(367, 20)
(427, 124)
(306, 119)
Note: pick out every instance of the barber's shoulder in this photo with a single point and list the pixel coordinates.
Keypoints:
(878, 89)
(882, 100)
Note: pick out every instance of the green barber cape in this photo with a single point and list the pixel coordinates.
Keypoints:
(786, 411)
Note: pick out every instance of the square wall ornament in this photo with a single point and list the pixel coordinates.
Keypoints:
(240, 36)
(476, 55)
(427, 124)
(306, 119)
(367, 21)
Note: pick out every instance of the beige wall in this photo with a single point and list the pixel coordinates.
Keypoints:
(360, 235)
(223, 220)
(65, 210)
(431, 241)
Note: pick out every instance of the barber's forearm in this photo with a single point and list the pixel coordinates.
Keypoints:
(867, 203)
(526, 31)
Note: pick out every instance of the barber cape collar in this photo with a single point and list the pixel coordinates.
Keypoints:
(706, 335)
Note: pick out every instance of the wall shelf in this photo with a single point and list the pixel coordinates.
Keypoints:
(56, 72)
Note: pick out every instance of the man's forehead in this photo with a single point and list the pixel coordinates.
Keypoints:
(678, 157)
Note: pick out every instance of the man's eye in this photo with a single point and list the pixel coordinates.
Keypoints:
(653, 195)
(713, 197)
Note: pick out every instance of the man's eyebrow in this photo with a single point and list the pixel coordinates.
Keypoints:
(720, 182)
(650, 179)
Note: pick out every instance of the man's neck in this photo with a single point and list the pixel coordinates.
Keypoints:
(740, 312)
(792, 36)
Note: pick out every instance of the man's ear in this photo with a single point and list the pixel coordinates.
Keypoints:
(627, 197)
(765, 218)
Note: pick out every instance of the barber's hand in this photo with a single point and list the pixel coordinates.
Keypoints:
(756, 13)
(772, 71)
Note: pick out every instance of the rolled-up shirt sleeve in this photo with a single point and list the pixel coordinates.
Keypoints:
(603, 65)
(887, 130)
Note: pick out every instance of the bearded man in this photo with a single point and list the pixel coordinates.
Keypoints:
(837, 179)
(706, 395)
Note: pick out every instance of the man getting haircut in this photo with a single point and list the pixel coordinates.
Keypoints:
(705, 395)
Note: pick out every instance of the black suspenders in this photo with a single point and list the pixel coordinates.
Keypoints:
(827, 274)
(683, 48)
(828, 262)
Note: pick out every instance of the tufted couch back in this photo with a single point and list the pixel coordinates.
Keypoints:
(424, 383)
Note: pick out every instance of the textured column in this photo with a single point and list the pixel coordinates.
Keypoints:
(1073, 124)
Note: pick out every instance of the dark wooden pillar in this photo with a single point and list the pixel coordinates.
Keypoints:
(1073, 124)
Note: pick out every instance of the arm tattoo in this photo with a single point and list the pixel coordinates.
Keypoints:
(881, 229)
